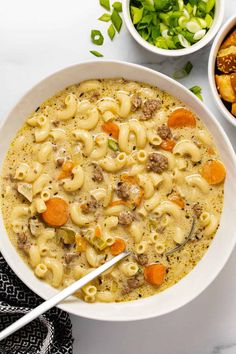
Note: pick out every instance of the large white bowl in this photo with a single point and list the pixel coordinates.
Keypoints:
(217, 255)
(218, 19)
(225, 30)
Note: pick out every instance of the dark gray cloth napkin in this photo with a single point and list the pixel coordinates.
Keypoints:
(51, 333)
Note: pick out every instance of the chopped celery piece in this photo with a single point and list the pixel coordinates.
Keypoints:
(163, 5)
(67, 235)
(136, 14)
(161, 43)
(105, 4)
(98, 242)
(116, 20)
(148, 4)
(163, 27)
(165, 18)
(112, 144)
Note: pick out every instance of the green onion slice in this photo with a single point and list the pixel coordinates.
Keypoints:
(105, 18)
(105, 4)
(112, 144)
(116, 20)
(97, 54)
(96, 37)
(197, 90)
(111, 31)
(117, 6)
(185, 71)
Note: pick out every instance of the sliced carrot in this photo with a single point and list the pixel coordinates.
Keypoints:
(111, 128)
(155, 274)
(177, 200)
(213, 171)
(210, 151)
(180, 118)
(118, 246)
(118, 202)
(168, 144)
(129, 179)
(57, 212)
(66, 170)
(80, 243)
(98, 232)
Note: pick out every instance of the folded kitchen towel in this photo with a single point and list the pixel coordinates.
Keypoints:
(50, 333)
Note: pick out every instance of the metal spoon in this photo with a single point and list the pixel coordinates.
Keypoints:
(179, 247)
(62, 295)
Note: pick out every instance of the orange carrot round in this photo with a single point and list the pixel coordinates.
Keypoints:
(57, 212)
(180, 118)
(118, 202)
(168, 144)
(98, 232)
(213, 171)
(66, 170)
(111, 128)
(155, 274)
(118, 246)
(67, 166)
(177, 200)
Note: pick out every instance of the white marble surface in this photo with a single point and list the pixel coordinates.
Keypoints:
(39, 37)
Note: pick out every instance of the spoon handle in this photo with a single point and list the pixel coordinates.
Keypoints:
(62, 295)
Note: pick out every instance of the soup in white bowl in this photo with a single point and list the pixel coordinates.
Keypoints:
(106, 165)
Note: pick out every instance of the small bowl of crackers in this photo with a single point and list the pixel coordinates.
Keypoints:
(222, 70)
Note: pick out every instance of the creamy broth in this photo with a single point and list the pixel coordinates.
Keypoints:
(129, 178)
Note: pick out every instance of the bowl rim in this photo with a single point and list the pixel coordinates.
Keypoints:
(176, 52)
(226, 28)
(205, 282)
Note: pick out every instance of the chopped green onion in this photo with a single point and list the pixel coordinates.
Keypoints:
(185, 71)
(199, 35)
(111, 31)
(136, 14)
(112, 144)
(208, 20)
(197, 91)
(105, 18)
(117, 6)
(183, 41)
(96, 37)
(116, 20)
(105, 4)
(193, 26)
(97, 54)
(209, 6)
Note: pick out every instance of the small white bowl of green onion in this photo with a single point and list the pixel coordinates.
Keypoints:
(173, 27)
